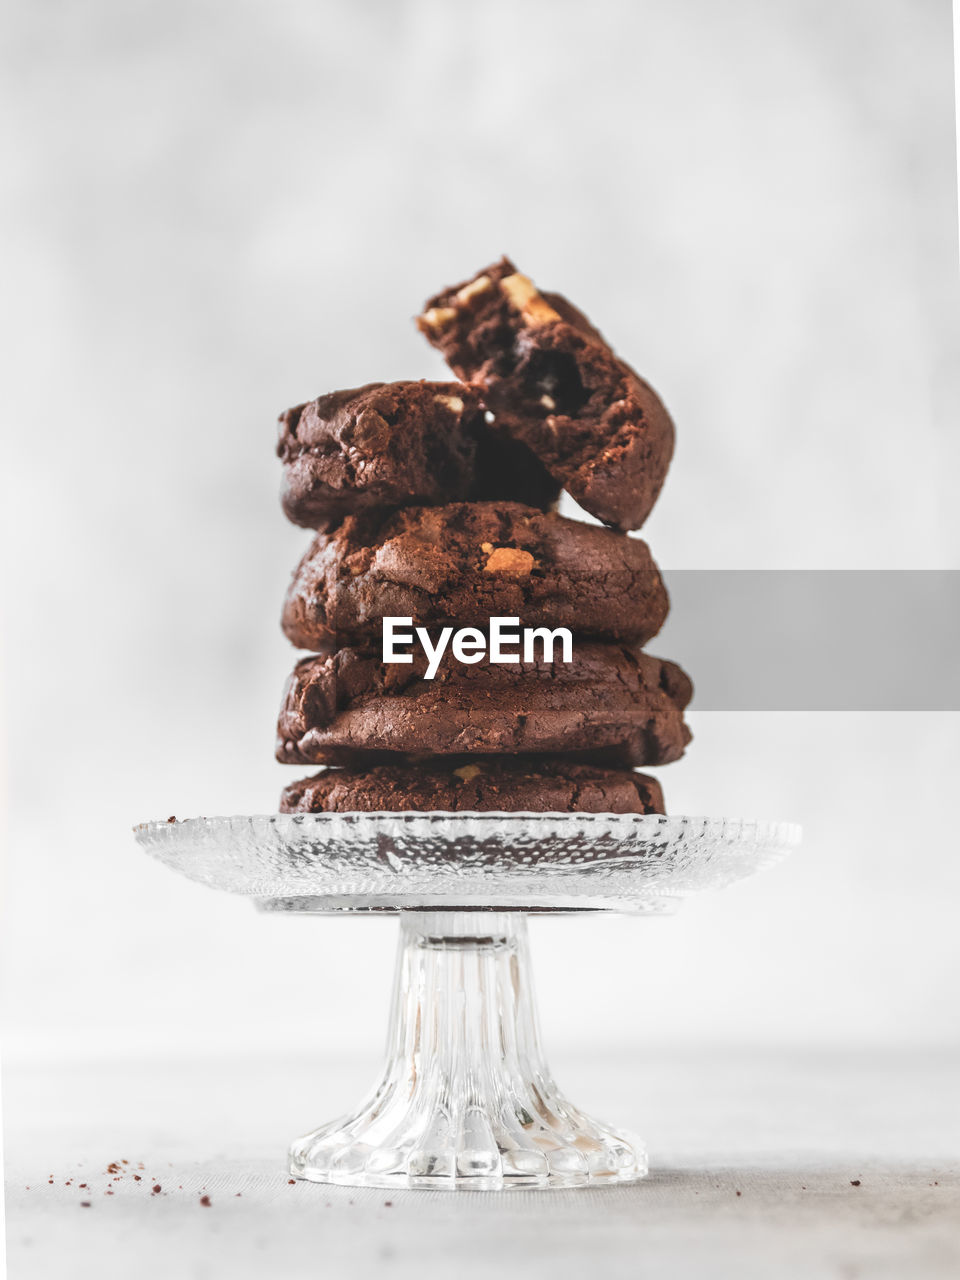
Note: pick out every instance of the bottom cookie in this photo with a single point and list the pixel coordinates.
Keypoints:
(456, 786)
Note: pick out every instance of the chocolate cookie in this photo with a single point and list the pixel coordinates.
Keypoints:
(610, 703)
(469, 562)
(390, 444)
(521, 784)
(553, 384)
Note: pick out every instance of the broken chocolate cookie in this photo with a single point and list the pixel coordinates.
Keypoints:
(396, 443)
(551, 383)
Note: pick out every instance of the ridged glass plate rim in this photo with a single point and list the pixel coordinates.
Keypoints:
(772, 828)
(542, 860)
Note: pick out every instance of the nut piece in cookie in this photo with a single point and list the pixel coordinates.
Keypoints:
(527, 784)
(469, 562)
(611, 704)
(553, 384)
(513, 561)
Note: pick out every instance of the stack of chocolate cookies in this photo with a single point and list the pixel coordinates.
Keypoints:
(432, 504)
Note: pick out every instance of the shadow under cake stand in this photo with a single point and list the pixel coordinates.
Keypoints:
(466, 1100)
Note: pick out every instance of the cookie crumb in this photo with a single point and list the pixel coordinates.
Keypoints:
(291, 1182)
(84, 1204)
(172, 818)
(854, 1182)
(157, 1188)
(205, 1201)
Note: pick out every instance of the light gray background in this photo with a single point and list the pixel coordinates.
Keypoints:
(219, 209)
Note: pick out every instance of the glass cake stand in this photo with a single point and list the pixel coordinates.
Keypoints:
(466, 1100)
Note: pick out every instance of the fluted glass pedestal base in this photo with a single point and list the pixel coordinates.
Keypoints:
(466, 1100)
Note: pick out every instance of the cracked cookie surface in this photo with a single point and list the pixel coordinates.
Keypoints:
(469, 562)
(521, 784)
(391, 444)
(611, 704)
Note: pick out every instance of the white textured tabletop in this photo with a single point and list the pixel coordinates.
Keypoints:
(761, 1166)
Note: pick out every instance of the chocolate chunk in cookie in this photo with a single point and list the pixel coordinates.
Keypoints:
(392, 444)
(469, 562)
(509, 785)
(553, 384)
(611, 703)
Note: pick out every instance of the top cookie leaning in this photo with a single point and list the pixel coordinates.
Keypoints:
(550, 382)
(544, 404)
